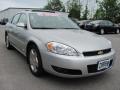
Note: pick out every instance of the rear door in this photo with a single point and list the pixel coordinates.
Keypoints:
(105, 25)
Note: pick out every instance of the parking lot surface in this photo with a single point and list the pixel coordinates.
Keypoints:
(15, 74)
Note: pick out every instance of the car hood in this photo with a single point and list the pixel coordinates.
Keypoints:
(79, 39)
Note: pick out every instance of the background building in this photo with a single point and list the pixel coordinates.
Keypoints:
(9, 12)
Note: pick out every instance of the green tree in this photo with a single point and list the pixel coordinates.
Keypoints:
(74, 8)
(55, 5)
(85, 13)
(117, 19)
(99, 14)
(108, 9)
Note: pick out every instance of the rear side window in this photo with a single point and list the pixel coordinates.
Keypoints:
(15, 19)
(110, 23)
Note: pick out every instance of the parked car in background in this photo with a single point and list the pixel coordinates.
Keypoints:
(82, 24)
(54, 43)
(102, 27)
(4, 21)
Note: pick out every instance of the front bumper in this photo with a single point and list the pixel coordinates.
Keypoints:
(73, 65)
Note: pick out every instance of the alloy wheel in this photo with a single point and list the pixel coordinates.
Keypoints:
(117, 31)
(102, 31)
(34, 60)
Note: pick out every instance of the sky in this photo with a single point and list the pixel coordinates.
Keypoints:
(38, 3)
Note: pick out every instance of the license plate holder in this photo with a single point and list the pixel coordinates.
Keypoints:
(103, 64)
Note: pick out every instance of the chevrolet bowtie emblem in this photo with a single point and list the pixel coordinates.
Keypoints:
(100, 52)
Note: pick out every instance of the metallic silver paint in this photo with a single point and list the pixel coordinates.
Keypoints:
(80, 40)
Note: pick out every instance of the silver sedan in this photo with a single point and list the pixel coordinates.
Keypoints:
(53, 43)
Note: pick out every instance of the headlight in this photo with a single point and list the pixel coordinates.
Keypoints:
(61, 49)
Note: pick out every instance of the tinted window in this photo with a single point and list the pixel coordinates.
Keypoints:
(15, 19)
(105, 23)
(23, 19)
(110, 23)
(51, 21)
(102, 23)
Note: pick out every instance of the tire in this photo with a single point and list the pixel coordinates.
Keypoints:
(35, 61)
(102, 31)
(117, 31)
(8, 45)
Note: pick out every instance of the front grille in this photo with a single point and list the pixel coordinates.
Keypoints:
(93, 68)
(99, 52)
(67, 71)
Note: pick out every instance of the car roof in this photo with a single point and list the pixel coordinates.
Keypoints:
(99, 21)
(82, 21)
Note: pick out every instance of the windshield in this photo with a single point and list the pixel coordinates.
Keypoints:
(46, 20)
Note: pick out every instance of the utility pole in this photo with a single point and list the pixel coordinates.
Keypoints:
(79, 7)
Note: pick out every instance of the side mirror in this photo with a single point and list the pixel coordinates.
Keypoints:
(22, 25)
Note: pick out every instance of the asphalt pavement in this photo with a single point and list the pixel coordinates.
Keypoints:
(15, 74)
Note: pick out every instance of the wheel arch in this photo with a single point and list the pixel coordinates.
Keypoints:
(38, 50)
(30, 43)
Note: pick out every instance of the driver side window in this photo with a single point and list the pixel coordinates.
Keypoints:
(15, 19)
(23, 19)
